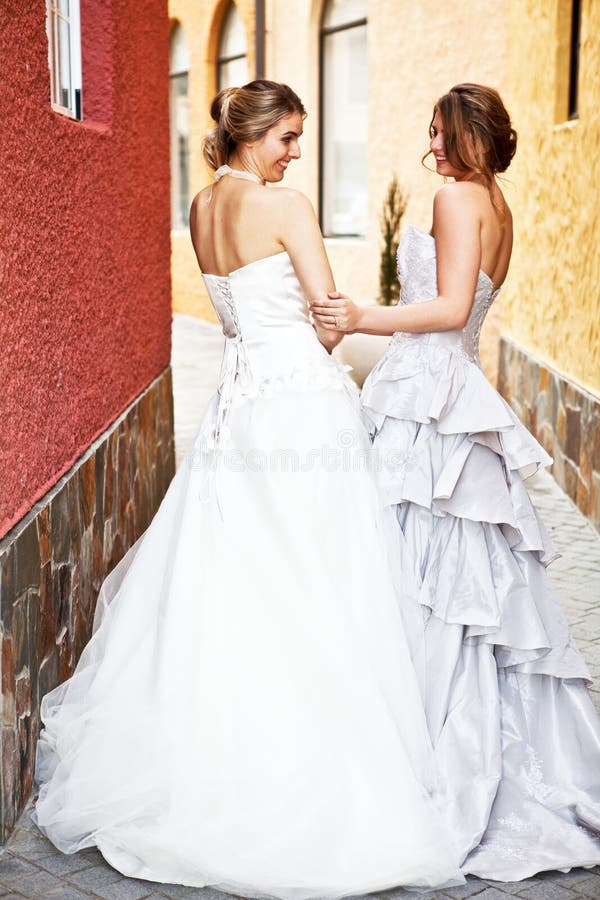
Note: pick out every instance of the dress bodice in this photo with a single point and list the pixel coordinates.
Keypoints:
(264, 315)
(270, 343)
(417, 270)
(262, 309)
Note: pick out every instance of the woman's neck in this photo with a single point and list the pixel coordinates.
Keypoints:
(241, 165)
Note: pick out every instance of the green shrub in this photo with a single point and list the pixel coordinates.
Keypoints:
(394, 207)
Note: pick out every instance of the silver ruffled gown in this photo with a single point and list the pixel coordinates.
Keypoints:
(516, 737)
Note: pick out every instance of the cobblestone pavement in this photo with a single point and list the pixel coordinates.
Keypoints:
(31, 867)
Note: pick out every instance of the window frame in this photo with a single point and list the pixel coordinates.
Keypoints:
(54, 16)
(179, 75)
(234, 57)
(573, 96)
(324, 32)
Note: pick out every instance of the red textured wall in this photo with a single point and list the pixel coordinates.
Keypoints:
(84, 238)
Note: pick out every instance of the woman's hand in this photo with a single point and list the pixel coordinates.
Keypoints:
(337, 313)
(457, 229)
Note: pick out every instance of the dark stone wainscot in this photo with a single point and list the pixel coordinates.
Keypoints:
(563, 417)
(52, 565)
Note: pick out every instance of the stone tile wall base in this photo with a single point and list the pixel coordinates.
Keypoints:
(563, 417)
(52, 565)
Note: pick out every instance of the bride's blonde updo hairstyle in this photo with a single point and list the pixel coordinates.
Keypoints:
(245, 114)
(476, 112)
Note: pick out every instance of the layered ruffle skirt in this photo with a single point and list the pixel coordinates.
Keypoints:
(516, 737)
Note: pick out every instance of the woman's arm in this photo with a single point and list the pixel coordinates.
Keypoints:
(457, 232)
(301, 236)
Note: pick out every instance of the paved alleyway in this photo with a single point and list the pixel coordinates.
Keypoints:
(31, 867)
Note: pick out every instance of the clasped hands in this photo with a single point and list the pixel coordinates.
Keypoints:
(336, 313)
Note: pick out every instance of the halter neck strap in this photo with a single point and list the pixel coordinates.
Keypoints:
(237, 173)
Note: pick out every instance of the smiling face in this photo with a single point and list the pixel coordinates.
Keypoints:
(273, 153)
(438, 148)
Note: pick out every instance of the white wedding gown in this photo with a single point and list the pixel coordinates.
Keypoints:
(246, 714)
(516, 737)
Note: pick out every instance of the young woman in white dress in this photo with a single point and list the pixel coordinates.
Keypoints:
(246, 714)
(516, 737)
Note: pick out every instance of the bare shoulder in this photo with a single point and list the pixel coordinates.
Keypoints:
(200, 200)
(290, 201)
(460, 203)
(456, 193)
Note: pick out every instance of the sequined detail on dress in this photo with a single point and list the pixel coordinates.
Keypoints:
(417, 271)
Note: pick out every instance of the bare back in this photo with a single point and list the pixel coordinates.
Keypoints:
(232, 223)
(496, 236)
(235, 222)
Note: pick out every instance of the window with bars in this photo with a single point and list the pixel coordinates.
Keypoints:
(343, 109)
(64, 56)
(232, 61)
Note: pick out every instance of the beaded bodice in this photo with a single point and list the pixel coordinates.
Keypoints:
(417, 270)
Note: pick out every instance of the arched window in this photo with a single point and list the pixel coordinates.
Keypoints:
(344, 118)
(232, 63)
(179, 64)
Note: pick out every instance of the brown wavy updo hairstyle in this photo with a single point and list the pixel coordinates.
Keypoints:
(245, 114)
(476, 112)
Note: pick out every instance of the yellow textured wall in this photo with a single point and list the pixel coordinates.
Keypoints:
(416, 51)
(552, 305)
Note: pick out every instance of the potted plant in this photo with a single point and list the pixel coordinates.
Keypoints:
(394, 207)
(362, 351)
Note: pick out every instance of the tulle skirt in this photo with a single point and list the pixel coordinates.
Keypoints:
(246, 714)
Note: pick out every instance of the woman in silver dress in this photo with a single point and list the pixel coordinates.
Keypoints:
(516, 737)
